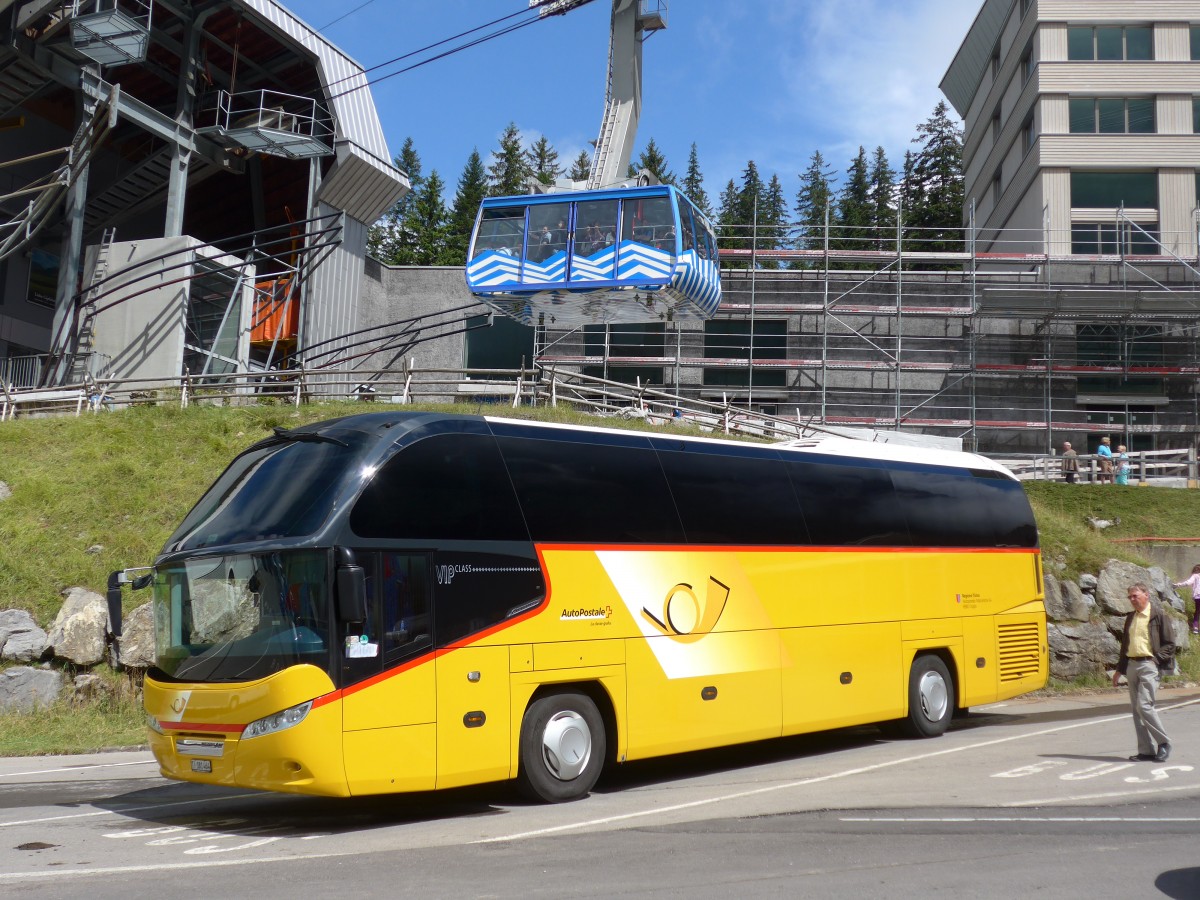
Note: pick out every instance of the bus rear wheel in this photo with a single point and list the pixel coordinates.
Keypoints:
(563, 747)
(930, 697)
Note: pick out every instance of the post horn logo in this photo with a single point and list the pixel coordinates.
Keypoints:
(684, 617)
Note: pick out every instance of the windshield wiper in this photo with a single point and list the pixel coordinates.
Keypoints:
(311, 437)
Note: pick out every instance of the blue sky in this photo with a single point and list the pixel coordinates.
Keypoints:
(768, 80)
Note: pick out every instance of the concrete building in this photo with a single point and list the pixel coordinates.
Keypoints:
(1081, 125)
(183, 185)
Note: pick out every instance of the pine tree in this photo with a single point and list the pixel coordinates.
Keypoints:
(882, 193)
(772, 221)
(428, 220)
(693, 184)
(812, 201)
(938, 182)
(581, 168)
(472, 188)
(509, 172)
(652, 160)
(542, 160)
(854, 209)
(389, 240)
(729, 234)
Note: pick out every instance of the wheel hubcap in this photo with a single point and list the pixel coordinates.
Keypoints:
(934, 697)
(566, 745)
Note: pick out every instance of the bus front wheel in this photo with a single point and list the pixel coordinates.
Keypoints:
(930, 697)
(562, 748)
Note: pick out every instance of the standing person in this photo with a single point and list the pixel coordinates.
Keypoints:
(1104, 453)
(1123, 467)
(1146, 652)
(1193, 581)
(1070, 463)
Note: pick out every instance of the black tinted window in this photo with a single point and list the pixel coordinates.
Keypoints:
(594, 493)
(846, 505)
(944, 509)
(732, 499)
(1008, 509)
(283, 489)
(444, 487)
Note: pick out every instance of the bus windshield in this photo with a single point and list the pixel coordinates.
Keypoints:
(281, 488)
(241, 617)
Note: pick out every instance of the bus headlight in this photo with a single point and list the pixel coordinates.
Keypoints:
(277, 721)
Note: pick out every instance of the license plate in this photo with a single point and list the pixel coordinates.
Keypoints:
(202, 765)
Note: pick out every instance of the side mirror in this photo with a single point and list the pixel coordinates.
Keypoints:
(352, 594)
(114, 601)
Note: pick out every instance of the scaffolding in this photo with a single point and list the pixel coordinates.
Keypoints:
(1010, 350)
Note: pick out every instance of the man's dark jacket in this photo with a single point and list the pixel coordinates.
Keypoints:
(1162, 644)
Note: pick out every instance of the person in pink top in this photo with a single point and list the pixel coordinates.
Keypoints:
(1193, 581)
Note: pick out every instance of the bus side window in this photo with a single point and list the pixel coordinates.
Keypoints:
(848, 506)
(406, 627)
(727, 499)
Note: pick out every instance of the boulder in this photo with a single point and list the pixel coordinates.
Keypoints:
(1086, 648)
(135, 646)
(80, 630)
(1053, 590)
(1162, 585)
(5, 491)
(1087, 582)
(1077, 604)
(89, 687)
(21, 639)
(24, 689)
(1113, 583)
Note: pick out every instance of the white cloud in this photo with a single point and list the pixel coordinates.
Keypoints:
(869, 70)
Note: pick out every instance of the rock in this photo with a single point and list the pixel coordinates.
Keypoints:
(1077, 604)
(1112, 586)
(1087, 582)
(5, 491)
(20, 637)
(1086, 648)
(95, 548)
(1065, 601)
(135, 646)
(80, 629)
(90, 687)
(1161, 583)
(24, 689)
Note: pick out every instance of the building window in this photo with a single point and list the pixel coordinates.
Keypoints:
(1196, 42)
(1111, 239)
(1110, 42)
(629, 345)
(1112, 115)
(1196, 115)
(1109, 190)
(730, 339)
(1027, 66)
(997, 190)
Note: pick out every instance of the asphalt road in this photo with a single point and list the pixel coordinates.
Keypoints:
(1027, 797)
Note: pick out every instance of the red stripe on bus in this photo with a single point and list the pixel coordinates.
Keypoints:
(202, 726)
(745, 548)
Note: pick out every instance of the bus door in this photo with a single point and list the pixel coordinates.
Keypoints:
(473, 716)
(388, 679)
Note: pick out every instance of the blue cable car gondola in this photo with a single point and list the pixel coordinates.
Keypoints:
(641, 254)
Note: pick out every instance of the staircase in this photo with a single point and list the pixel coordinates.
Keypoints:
(79, 369)
(20, 79)
(146, 181)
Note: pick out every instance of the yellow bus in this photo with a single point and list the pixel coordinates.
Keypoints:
(411, 601)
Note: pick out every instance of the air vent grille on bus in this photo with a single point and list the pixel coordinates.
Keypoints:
(1020, 651)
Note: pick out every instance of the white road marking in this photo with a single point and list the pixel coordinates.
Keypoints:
(1109, 795)
(658, 811)
(82, 767)
(124, 809)
(165, 867)
(1124, 820)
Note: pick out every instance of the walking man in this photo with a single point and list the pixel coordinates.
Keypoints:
(1146, 651)
(1070, 463)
